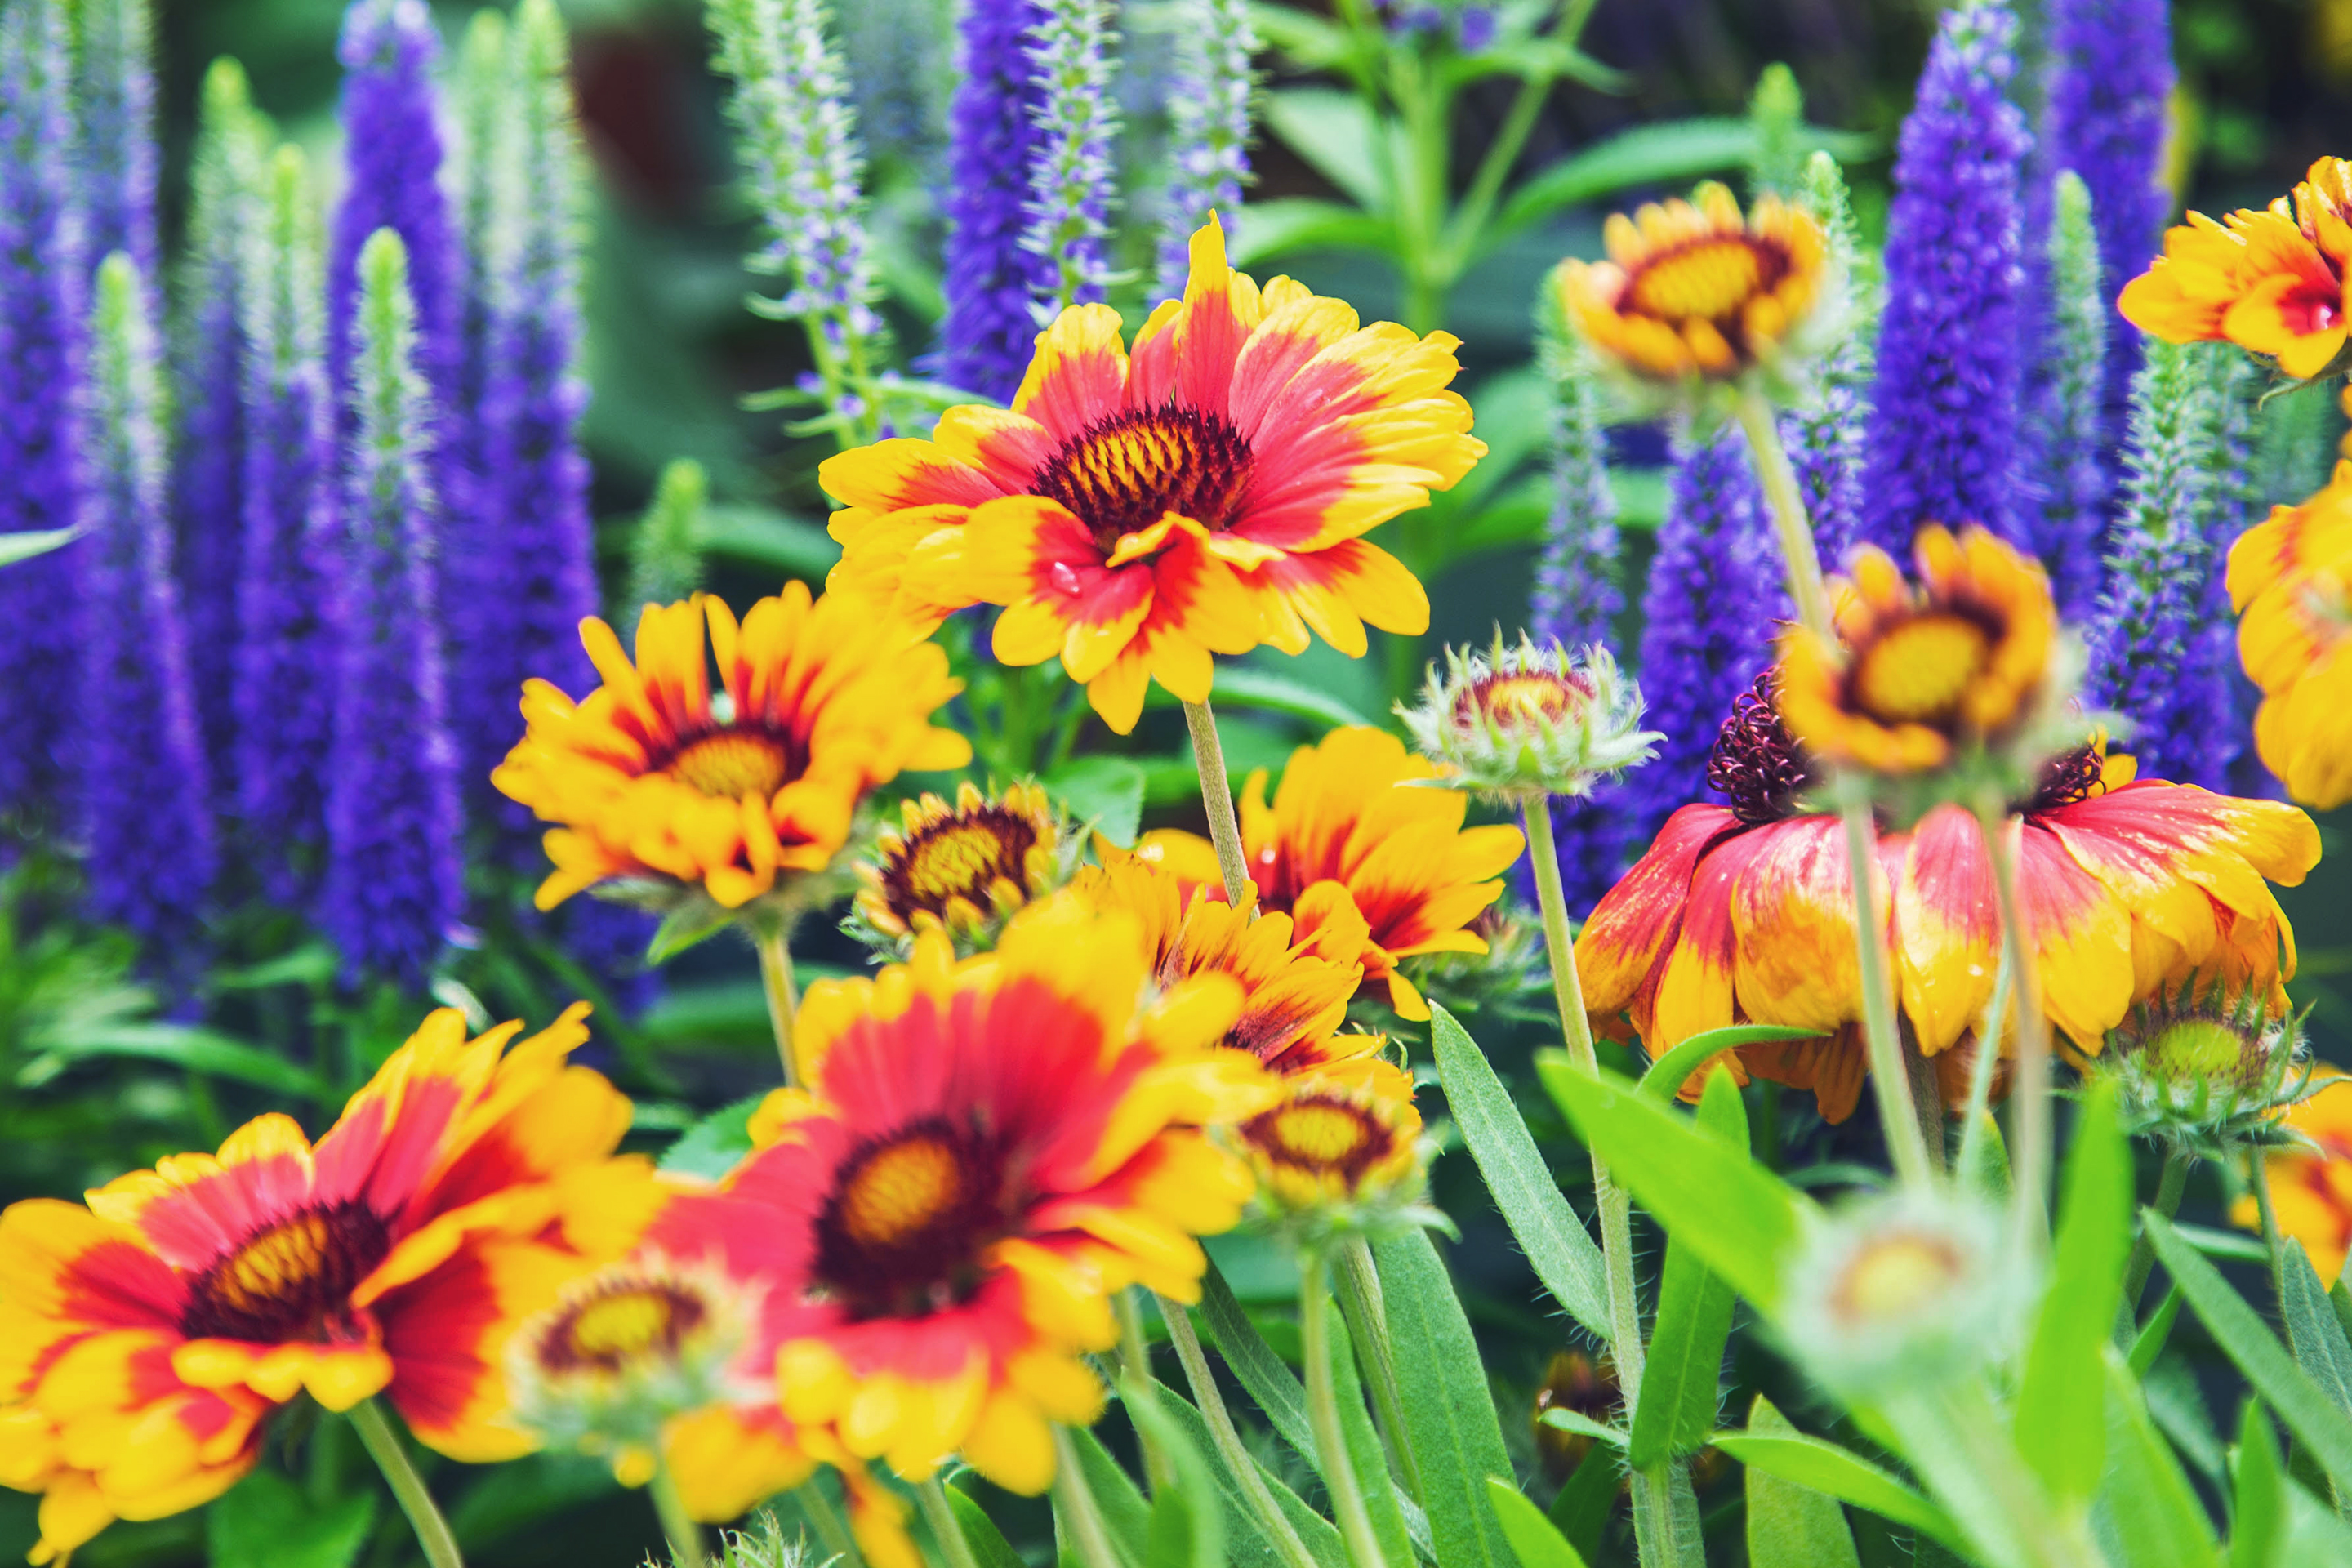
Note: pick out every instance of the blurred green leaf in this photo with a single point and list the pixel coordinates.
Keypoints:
(988, 1544)
(1336, 134)
(1104, 791)
(1670, 154)
(2258, 1518)
(1449, 1421)
(2149, 1344)
(1286, 224)
(198, 1050)
(312, 964)
(23, 545)
(1187, 1521)
(1247, 686)
(1791, 1525)
(1556, 1243)
(2316, 1535)
(265, 1521)
(1125, 1512)
(2146, 1500)
(1826, 1467)
(2059, 1424)
(1534, 1540)
(716, 1144)
(1665, 1078)
(1678, 1406)
(1255, 1366)
(761, 536)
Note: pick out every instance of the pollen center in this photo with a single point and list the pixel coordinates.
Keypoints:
(959, 858)
(1706, 279)
(1897, 1276)
(900, 1190)
(1919, 671)
(910, 1217)
(1125, 472)
(632, 1319)
(290, 1281)
(729, 764)
(1319, 1133)
(1511, 701)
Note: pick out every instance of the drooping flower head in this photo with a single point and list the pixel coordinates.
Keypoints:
(1693, 292)
(1967, 663)
(1137, 514)
(2271, 281)
(962, 869)
(988, 1150)
(2290, 579)
(2311, 1186)
(1356, 833)
(152, 1333)
(1527, 721)
(654, 777)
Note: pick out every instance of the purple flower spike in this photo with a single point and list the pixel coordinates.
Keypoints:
(43, 323)
(1071, 183)
(284, 692)
(394, 886)
(143, 793)
(1209, 130)
(990, 277)
(208, 487)
(114, 97)
(1944, 426)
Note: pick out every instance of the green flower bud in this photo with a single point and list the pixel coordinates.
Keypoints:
(1530, 720)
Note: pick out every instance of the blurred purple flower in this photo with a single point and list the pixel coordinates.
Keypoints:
(114, 101)
(2068, 480)
(989, 277)
(1208, 130)
(1071, 181)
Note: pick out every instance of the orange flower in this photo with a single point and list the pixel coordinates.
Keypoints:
(652, 777)
(1744, 913)
(959, 868)
(988, 1151)
(2291, 581)
(1353, 837)
(2311, 1191)
(146, 1338)
(1137, 514)
(2273, 282)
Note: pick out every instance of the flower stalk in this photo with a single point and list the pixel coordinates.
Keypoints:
(2030, 1097)
(1358, 1291)
(1228, 1441)
(1090, 1537)
(2169, 1186)
(784, 997)
(433, 1537)
(1323, 1413)
(677, 1525)
(1135, 1360)
(1217, 799)
(932, 1498)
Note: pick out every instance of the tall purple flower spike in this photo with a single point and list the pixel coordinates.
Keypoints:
(394, 886)
(991, 278)
(284, 691)
(1072, 185)
(208, 484)
(1208, 131)
(1714, 598)
(1943, 441)
(114, 99)
(42, 333)
(143, 791)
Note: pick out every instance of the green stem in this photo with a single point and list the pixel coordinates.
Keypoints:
(684, 1535)
(1789, 519)
(940, 1514)
(1135, 1355)
(1367, 1320)
(1890, 1074)
(383, 1445)
(783, 998)
(840, 1541)
(2168, 1189)
(1470, 214)
(1217, 798)
(2030, 1097)
(1926, 1101)
(1090, 1538)
(1654, 1527)
(2257, 1168)
(1987, 1063)
(1230, 1447)
(1323, 1414)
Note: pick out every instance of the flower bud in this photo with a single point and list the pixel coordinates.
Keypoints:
(1334, 1157)
(1530, 720)
(2208, 1072)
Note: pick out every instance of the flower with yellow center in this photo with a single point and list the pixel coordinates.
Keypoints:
(1335, 1157)
(655, 779)
(1138, 511)
(2273, 282)
(2290, 578)
(1693, 292)
(1967, 663)
(988, 1150)
(1905, 1290)
(960, 869)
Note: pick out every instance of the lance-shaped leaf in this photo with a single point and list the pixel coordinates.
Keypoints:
(1678, 1388)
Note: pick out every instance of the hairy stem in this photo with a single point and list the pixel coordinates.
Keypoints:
(1354, 1519)
(1135, 1358)
(1890, 1076)
(1230, 1447)
(1217, 797)
(1089, 1537)
(940, 1515)
(383, 1443)
(2169, 1186)
(784, 997)
(2030, 1097)
(1789, 519)
(1366, 1314)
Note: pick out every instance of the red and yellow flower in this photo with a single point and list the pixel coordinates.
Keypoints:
(2311, 1189)
(2273, 282)
(987, 1151)
(1691, 290)
(654, 776)
(960, 869)
(1331, 1147)
(1352, 838)
(1136, 513)
(2291, 581)
(1744, 912)
(147, 1337)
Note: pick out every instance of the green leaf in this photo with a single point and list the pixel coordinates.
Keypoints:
(1289, 223)
(1563, 1419)
(1822, 1466)
(1127, 1517)
(1336, 134)
(183, 1046)
(1555, 1241)
(1665, 1078)
(1106, 793)
(1187, 1521)
(2149, 1344)
(1679, 1388)
(2316, 1535)
(695, 920)
(988, 1542)
(1791, 1525)
(1270, 691)
(1984, 1162)
(2323, 1430)
(2059, 1424)
(1580, 1512)
(1260, 1371)
(716, 1144)
(1245, 1538)
(760, 536)
(1449, 1420)
(312, 964)
(1365, 1456)
(1670, 153)
(1741, 1221)
(2258, 1515)
(2312, 1331)
(2147, 1503)
(23, 545)
(1533, 1540)
(265, 1521)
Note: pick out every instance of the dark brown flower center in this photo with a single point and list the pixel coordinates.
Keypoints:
(1125, 472)
(909, 1218)
(1756, 764)
(291, 1281)
(624, 1320)
(730, 764)
(2068, 777)
(959, 856)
